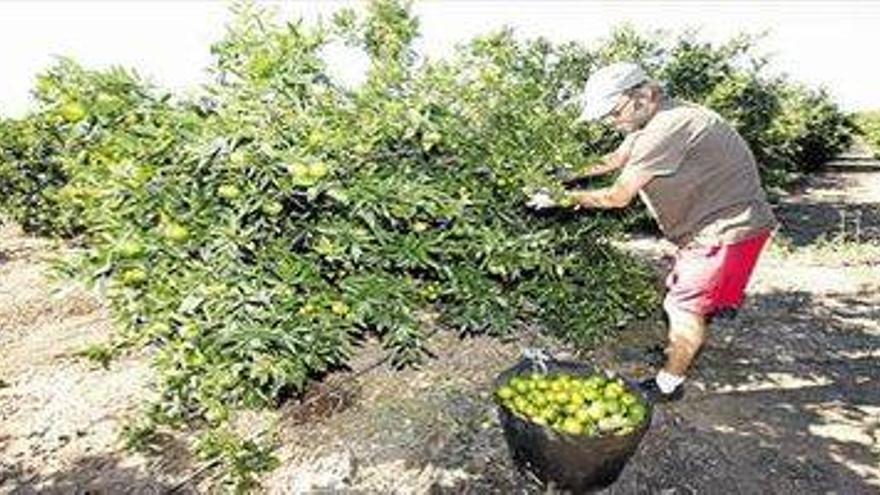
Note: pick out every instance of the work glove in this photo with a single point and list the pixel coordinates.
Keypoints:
(541, 200)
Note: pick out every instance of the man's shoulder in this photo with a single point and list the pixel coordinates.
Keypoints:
(684, 109)
(681, 114)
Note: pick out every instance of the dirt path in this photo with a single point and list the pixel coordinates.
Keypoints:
(60, 414)
(785, 399)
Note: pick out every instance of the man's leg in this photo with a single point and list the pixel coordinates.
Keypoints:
(703, 281)
(687, 334)
(691, 285)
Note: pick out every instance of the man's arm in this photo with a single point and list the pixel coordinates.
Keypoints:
(611, 162)
(618, 195)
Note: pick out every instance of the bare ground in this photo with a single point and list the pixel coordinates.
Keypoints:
(785, 398)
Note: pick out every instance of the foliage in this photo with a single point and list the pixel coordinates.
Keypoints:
(868, 124)
(101, 354)
(30, 177)
(241, 459)
(809, 130)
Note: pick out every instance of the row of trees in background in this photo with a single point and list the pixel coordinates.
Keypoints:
(868, 124)
(253, 235)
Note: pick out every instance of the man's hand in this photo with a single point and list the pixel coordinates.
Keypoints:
(541, 200)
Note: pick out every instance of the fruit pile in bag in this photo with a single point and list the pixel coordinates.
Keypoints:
(577, 405)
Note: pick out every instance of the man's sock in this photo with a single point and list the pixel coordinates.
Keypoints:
(667, 382)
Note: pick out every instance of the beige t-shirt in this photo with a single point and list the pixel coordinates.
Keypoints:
(706, 189)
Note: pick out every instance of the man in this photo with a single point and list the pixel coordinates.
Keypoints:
(699, 180)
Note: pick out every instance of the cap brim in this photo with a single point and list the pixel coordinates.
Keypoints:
(594, 110)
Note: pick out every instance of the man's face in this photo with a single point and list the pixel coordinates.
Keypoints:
(631, 113)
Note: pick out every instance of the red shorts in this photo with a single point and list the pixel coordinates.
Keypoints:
(705, 280)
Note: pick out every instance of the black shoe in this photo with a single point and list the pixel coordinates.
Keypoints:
(652, 391)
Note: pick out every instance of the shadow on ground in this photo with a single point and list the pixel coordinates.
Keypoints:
(112, 473)
(806, 221)
(101, 474)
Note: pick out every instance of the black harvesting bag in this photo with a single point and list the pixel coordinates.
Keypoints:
(577, 463)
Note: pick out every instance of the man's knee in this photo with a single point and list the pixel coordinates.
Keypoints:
(687, 329)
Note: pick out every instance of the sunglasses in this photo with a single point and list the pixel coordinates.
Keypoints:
(618, 109)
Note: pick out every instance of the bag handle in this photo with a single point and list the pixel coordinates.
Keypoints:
(538, 358)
